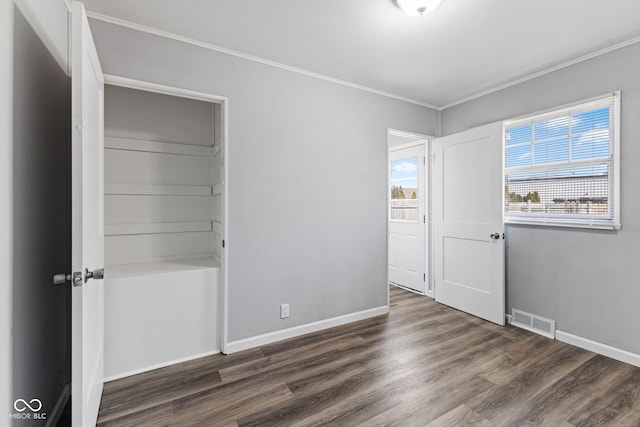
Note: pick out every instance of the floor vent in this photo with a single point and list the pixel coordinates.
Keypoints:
(533, 323)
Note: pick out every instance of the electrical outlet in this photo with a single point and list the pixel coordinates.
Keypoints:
(284, 311)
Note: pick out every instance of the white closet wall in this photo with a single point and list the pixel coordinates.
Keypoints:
(159, 177)
(218, 183)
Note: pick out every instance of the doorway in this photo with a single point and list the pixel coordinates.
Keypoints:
(407, 211)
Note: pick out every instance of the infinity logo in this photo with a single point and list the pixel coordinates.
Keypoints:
(21, 405)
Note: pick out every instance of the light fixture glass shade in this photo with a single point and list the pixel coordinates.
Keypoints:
(418, 7)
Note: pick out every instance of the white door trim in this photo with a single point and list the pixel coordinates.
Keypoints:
(115, 80)
(126, 82)
(406, 134)
(418, 143)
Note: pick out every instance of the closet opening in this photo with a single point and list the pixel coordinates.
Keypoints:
(164, 222)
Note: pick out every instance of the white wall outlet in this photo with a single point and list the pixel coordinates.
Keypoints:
(284, 311)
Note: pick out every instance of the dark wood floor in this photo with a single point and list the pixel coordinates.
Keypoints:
(423, 364)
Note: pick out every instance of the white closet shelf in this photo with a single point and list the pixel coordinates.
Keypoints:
(129, 144)
(156, 228)
(158, 190)
(160, 267)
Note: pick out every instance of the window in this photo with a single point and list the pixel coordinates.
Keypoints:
(562, 168)
(404, 190)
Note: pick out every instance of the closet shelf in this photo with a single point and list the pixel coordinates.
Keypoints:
(157, 146)
(161, 267)
(158, 190)
(156, 228)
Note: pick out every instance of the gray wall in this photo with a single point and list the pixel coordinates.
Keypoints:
(6, 205)
(585, 280)
(307, 178)
(41, 207)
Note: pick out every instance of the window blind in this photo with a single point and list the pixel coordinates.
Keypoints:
(562, 165)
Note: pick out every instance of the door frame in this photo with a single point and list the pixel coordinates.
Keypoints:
(126, 82)
(417, 139)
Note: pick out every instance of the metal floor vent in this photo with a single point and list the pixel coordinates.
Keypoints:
(533, 323)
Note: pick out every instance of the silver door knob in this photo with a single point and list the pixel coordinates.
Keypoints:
(61, 278)
(495, 236)
(95, 274)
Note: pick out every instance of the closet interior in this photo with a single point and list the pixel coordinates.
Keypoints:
(163, 227)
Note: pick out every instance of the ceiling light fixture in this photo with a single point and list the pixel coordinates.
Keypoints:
(418, 7)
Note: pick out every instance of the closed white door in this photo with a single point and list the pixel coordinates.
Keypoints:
(467, 222)
(406, 242)
(87, 322)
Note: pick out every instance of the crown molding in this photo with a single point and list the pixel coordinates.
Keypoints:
(549, 70)
(253, 58)
(216, 48)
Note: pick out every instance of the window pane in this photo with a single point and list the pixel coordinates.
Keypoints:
(552, 128)
(404, 189)
(519, 155)
(574, 191)
(518, 135)
(552, 151)
(590, 145)
(590, 120)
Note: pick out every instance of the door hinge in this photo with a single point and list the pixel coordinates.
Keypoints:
(424, 160)
(424, 277)
(223, 243)
(424, 219)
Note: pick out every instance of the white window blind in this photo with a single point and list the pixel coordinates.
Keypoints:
(561, 168)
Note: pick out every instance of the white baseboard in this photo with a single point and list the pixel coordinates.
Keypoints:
(597, 347)
(158, 366)
(268, 338)
(54, 416)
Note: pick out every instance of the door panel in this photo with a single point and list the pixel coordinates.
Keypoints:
(87, 189)
(394, 250)
(467, 263)
(465, 193)
(467, 201)
(406, 241)
(412, 253)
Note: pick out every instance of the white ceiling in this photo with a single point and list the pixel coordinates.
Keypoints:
(464, 48)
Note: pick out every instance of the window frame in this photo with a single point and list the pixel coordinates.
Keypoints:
(612, 222)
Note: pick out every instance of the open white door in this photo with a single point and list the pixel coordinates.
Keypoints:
(407, 220)
(87, 259)
(467, 222)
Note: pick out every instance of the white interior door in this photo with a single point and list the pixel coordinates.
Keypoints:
(406, 242)
(467, 222)
(87, 322)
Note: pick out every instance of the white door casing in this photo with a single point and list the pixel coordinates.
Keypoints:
(406, 218)
(468, 228)
(87, 189)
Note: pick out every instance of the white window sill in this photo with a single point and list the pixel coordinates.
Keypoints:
(548, 222)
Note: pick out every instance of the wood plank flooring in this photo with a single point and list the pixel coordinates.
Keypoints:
(422, 365)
